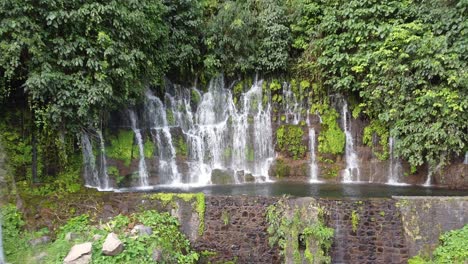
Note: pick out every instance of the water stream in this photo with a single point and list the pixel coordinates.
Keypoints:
(142, 171)
(395, 169)
(104, 177)
(90, 172)
(314, 172)
(351, 172)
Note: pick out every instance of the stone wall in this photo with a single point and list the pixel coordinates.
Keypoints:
(235, 228)
(424, 219)
(366, 231)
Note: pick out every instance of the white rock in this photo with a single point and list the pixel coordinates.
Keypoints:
(96, 237)
(70, 236)
(79, 254)
(142, 230)
(112, 245)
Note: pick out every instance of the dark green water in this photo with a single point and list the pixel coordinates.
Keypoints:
(314, 190)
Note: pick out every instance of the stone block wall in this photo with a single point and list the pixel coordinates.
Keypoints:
(236, 229)
(424, 219)
(366, 231)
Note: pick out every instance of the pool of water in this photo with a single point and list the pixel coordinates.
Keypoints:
(311, 189)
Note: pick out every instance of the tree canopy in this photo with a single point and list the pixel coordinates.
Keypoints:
(405, 61)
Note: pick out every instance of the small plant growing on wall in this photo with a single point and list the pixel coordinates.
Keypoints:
(354, 220)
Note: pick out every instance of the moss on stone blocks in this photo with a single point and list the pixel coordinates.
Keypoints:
(196, 199)
(298, 229)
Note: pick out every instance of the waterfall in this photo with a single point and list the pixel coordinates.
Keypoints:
(104, 177)
(293, 106)
(217, 132)
(142, 171)
(351, 173)
(161, 131)
(395, 169)
(313, 162)
(466, 158)
(90, 172)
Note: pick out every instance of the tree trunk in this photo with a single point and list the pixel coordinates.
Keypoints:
(34, 149)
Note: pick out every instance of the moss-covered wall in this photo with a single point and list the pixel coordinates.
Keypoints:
(426, 218)
(241, 228)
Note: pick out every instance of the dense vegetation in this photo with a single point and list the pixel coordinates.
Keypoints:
(165, 237)
(453, 248)
(68, 63)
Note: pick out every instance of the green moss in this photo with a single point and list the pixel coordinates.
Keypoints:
(197, 199)
(286, 232)
(331, 139)
(289, 140)
(275, 85)
(250, 154)
(195, 97)
(225, 217)
(121, 147)
(227, 153)
(354, 220)
(453, 248)
(282, 170)
(148, 149)
(378, 128)
(170, 117)
(181, 147)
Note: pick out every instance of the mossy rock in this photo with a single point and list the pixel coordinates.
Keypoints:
(219, 176)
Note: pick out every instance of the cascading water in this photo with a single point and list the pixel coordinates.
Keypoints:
(313, 161)
(395, 169)
(293, 106)
(161, 131)
(95, 174)
(351, 173)
(104, 177)
(90, 171)
(142, 171)
(218, 135)
(466, 158)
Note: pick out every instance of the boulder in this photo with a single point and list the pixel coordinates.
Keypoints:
(249, 177)
(39, 241)
(157, 255)
(70, 236)
(112, 245)
(79, 254)
(219, 176)
(142, 230)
